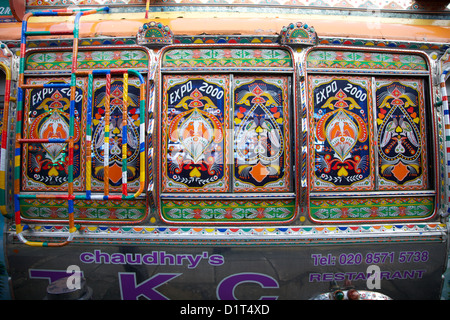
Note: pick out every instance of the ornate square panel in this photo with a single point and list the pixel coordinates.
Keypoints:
(46, 116)
(341, 133)
(401, 138)
(115, 162)
(261, 134)
(194, 133)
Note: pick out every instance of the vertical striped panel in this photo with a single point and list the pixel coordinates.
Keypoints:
(106, 144)
(446, 132)
(124, 134)
(4, 139)
(89, 137)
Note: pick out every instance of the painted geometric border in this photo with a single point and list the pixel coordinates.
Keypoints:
(371, 208)
(223, 211)
(85, 211)
(245, 236)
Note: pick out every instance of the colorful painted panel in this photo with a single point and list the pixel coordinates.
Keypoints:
(261, 134)
(228, 210)
(372, 208)
(245, 57)
(341, 126)
(85, 210)
(365, 60)
(44, 165)
(195, 120)
(62, 60)
(401, 134)
(115, 134)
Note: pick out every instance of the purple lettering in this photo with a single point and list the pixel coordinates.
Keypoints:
(163, 256)
(51, 275)
(151, 258)
(315, 277)
(216, 260)
(360, 276)
(396, 275)
(117, 258)
(409, 274)
(350, 275)
(193, 261)
(131, 291)
(180, 258)
(339, 276)
(136, 260)
(154, 258)
(385, 275)
(99, 256)
(420, 273)
(225, 289)
(327, 277)
(87, 257)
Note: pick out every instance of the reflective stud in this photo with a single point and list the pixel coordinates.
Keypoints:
(353, 294)
(339, 295)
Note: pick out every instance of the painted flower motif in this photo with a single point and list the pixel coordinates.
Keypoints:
(402, 211)
(82, 213)
(197, 213)
(373, 211)
(228, 213)
(227, 53)
(261, 213)
(344, 213)
(257, 53)
(196, 54)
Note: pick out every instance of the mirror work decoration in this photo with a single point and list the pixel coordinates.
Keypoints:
(298, 34)
(154, 33)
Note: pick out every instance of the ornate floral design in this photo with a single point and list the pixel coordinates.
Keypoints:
(261, 143)
(45, 164)
(194, 138)
(115, 135)
(343, 150)
(401, 134)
